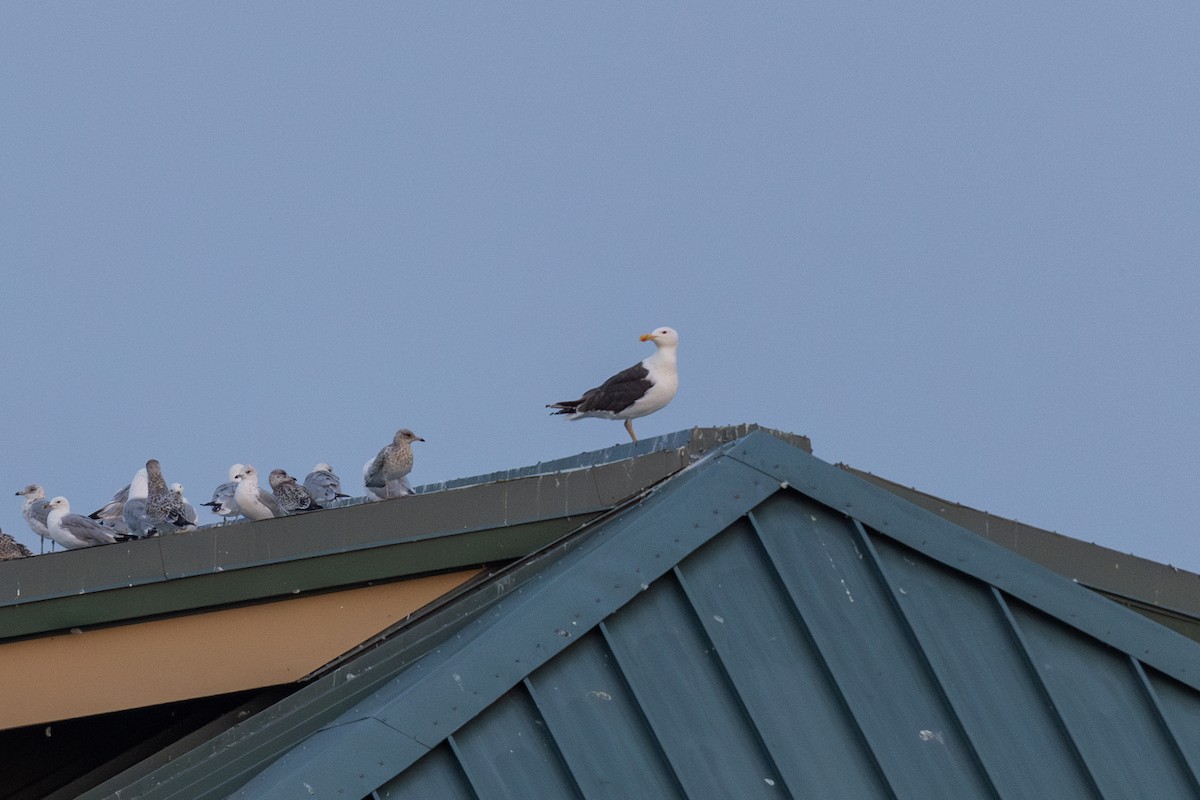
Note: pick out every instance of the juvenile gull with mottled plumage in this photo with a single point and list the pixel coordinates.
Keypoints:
(293, 498)
(163, 507)
(11, 549)
(640, 390)
(386, 475)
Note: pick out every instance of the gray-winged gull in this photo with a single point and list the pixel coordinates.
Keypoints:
(324, 486)
(34, 511)
(75, 530)
(386, 475)
(640, 390)
(113, 511)
(254, 501)
(223, 503)
(137, 520)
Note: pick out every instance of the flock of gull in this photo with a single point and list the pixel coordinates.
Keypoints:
(149, 506)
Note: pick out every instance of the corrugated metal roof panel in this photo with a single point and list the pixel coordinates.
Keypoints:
(761, 625)
(678, 683)
(583, 691)
(866, 645)
(776, 668)
(507, 753)
(962, 628)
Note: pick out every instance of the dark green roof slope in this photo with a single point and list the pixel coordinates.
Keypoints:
(1167, 595)
(762, 624)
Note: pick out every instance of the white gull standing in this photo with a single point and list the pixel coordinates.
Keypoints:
(386, 475)
(640, 390)
(255, 502)
(324, 486)
(34, 511)
(73, 531)
(223, 503)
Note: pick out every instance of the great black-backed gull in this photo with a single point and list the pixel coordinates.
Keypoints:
(386, 475)
(254, 501)
(293, 498)
(640, 390)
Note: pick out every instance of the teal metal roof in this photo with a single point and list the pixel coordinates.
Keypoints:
(761, 624)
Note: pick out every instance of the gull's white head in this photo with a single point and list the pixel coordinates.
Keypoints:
(322, 467)
(246, 473)
(177, 489)
(662, 337)
(234, 470)
(59, 502)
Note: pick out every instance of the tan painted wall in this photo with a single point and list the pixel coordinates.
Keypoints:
(199, 655)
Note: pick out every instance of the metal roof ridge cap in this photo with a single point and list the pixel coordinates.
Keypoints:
(694, 440)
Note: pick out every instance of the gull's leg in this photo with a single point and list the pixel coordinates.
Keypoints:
(629, 427)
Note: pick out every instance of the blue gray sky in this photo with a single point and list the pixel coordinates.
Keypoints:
(954, 243)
